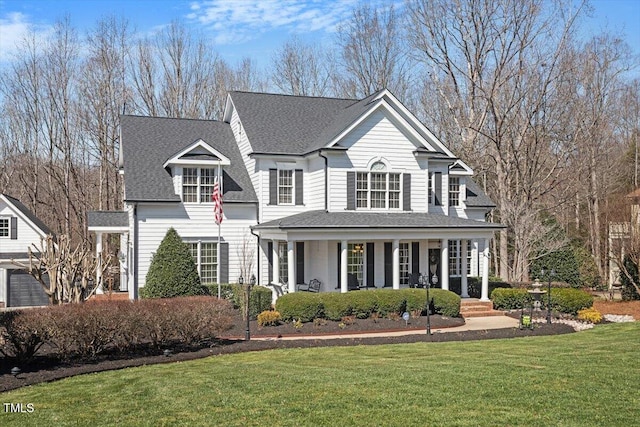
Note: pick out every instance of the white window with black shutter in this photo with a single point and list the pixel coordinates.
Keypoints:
(378, 188)
(286, 187)
(8, 227)
(206, 257)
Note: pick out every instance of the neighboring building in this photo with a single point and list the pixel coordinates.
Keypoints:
(355, 193)
(20, 229)
(620, 237)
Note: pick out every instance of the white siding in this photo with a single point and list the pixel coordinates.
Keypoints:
(245, 149)
(193, 222)
(314, 184)
(377, 138)
(27, 234)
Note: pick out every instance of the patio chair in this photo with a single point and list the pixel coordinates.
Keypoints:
(312, 286)
(352, 282)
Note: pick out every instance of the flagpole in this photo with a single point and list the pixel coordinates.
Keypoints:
(219, 223)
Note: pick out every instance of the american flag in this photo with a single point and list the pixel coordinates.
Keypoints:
(216, 198)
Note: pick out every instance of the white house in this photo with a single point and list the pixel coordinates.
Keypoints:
(20, 229)
(354, 193)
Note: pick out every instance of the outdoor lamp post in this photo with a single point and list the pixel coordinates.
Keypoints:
(421, 281)
(247, 291)
(552, 274)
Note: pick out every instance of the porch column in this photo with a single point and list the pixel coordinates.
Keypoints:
(291, 265)
(396, 263)
(444, 264)
(484, 296)
(123, 258)
(464, 287)
(276, 262)
(344, 280)
(99, 290)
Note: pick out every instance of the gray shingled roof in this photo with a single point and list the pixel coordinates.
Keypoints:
(26, 212)
(476, 197)
(323, 219)
(148, 142)
(297, 125)
(107, 219)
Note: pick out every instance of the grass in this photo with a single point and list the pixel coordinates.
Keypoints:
(582, 379)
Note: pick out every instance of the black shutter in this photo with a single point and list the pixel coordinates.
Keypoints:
(437, 194)
(273, 186)
(299, 262)
(415, 258)
(370, 265)
(351, 191)
(298, 183)
(14, 228)
(406, 192)
(270, 260)
(388, 265)
(224, 260)
(339, 264)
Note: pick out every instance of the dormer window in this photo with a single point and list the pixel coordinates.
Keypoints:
(454, 191)
(378, 189)
(197, 184)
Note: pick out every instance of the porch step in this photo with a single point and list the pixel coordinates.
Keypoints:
(114, 296)
(475, 308)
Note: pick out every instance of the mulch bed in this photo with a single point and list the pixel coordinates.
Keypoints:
(46, 369)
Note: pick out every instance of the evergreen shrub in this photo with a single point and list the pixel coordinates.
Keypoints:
(172, 271)
(390, 301)
(336, 306)
(302, 306)
(510, 299)
(570, 301)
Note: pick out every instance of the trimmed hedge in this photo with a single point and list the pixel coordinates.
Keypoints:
(335, 307)
(569, 300)
(97, 327)
(563, 300)
(302, 306)
(260, 299)
(510, 299)
(306, 306)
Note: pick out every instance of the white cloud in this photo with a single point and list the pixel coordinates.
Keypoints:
(14, 28)
(238, 21)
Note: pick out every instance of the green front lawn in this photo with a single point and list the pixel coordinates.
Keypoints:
(581, 379)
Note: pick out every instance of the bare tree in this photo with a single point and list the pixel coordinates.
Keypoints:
(65, 272)
(373, 55)
(302, 69)
(496, 65)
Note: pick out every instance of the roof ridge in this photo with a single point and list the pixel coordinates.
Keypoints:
(297, 96)
(137, 116)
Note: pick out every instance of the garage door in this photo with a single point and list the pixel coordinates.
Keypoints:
(23, 290)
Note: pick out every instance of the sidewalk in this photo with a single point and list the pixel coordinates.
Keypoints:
(471, 324)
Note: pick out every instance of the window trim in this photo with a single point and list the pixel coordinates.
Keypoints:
(368, 190)
(457, 191)
(292, 187)
(283, 261)
(198, 257)
(199, 184)
(8, 219)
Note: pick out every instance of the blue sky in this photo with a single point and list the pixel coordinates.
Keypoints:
(239, 28)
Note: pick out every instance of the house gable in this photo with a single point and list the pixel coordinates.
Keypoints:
(198, 153)
(23, 228)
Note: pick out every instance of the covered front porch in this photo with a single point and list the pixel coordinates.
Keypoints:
(384, 250)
